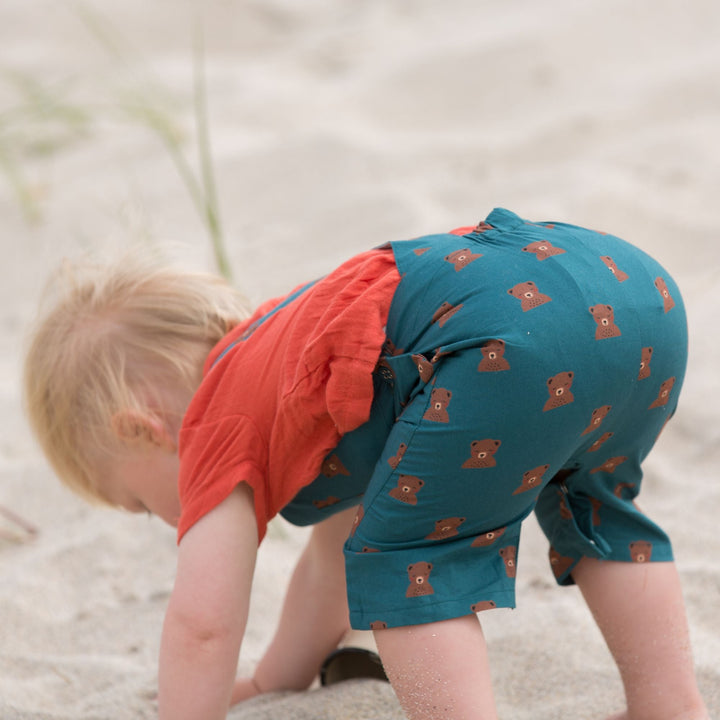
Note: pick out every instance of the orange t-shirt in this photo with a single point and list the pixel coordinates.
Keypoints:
(292, 383)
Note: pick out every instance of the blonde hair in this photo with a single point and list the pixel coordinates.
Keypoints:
(114, 336)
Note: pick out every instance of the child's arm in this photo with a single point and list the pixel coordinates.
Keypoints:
(314, 617)
(207, 612)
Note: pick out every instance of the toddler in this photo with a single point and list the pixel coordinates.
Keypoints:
(414, 406)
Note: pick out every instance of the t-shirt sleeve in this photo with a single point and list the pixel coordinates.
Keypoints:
(223, 454)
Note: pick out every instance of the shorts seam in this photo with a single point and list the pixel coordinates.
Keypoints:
(393, 471)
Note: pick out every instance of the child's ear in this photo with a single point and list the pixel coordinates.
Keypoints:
(134, 427)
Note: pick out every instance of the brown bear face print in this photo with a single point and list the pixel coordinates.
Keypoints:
(394, 461)
(493, 360)
(645, 357)
(461, 258)
(559, 388)
(419, 576)
(595, 504)
(664, 394)
(509, 555)
(333, 466)
(668, 302)
(543, 249)
(446, 528)
(604, 316)
(367, 549)
(378, 625)
(482, 605)
(640, 551)
(482, 454)
(421, 251)
(439, 401)
(407, 489)
(610, 465)
(482, 227)
(532, 479)
(528, 295)
(488, 538)
(559, 564)
(598, 415)
(600, 442)
(424, 366)
(444, 313)
(326, 503)
(613, 268)
(621, 487)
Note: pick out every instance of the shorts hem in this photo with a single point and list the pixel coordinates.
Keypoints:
(431, 612)
(662, 552)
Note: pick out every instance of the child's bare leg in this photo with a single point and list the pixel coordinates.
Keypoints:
(439, 670)
(640, 612)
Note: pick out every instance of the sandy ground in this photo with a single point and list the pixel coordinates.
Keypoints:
(337, 125)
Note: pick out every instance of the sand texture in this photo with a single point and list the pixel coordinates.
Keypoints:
(337, 125)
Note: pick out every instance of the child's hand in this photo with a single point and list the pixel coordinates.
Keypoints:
(315, 612)
(244, 689)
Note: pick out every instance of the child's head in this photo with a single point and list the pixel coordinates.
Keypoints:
(131, 337)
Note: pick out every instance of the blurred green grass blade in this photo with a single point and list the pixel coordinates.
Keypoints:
(212, 206)
(145, 109)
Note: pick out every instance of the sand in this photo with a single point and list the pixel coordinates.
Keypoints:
(337, 125)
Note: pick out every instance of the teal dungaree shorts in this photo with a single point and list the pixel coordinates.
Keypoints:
(528, 366)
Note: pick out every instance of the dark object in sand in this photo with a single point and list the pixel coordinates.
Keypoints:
(349, 663)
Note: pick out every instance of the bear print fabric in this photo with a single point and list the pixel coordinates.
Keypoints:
(516, 378)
